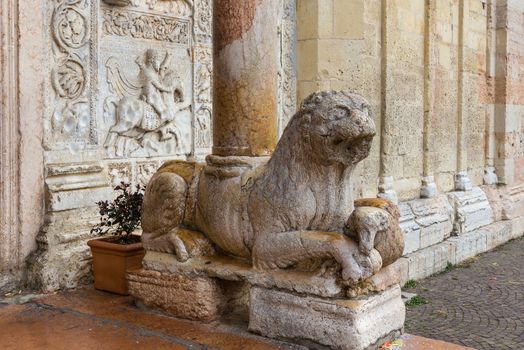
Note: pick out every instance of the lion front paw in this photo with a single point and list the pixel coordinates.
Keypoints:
(351, 273)
(181, 242)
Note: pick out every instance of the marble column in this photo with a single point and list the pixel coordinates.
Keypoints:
(245, 86)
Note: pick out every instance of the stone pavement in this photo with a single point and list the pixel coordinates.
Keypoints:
(479, 303)
(89, 319)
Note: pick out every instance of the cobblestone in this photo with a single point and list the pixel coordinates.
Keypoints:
(479, 303)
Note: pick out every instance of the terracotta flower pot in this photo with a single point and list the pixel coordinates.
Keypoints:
(111, 261)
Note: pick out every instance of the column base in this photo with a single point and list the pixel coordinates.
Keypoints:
(462, 182)
(490, 177)
(386, 190)
(342, 324)
(429, 187)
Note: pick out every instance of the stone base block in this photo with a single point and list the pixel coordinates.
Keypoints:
(469, 245)
(344, 324)
(192, 297)
(425, 222)
(472, 210)
(434, 259)
(507, 202)
(430, 260)
(222, 268)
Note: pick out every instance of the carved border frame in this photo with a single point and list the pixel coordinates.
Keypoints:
(9, 136)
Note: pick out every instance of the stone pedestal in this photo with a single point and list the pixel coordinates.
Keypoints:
(356, 324)
(429, 187)
(191, 297)
(301, 306)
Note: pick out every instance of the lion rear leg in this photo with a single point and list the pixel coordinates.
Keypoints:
(163, 211)
(288, 248)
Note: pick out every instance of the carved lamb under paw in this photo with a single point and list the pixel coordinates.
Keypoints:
(374, 226)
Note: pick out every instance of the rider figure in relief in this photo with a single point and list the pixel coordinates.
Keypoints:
(157, 91)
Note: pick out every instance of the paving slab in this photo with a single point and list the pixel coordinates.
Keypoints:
(479, 303)
(90, 319)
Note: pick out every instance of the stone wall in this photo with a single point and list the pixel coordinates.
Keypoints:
(443, 78)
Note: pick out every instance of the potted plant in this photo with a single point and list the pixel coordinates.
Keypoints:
(120, 249)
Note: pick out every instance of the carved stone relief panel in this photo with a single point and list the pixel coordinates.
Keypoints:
(134, 173)
(70, 121)
(203, 98)
(110, 60)
(119, 172)
(174, 7)
(202, 19)
(203, 75)
(144, 171)
(146, 80)
(145, 26)
(203, 132)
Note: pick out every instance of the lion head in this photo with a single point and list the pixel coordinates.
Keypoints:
(332, 128)
(337, 127)
(312, 163)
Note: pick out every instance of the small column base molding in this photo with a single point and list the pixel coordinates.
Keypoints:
(462, 181)
(429, 187)
(490, 176)
(386, 190)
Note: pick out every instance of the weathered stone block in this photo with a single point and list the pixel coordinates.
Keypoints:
(61, 266)
(81, 198)
(430, 260)
(472, 210)
(337, 323)
(307, 13)
(507, 202)
(411, 241)
(410, 228)
(497, 234)
(192, 297)
(469, 245)
(230, 269)
(403, 267)
(435, 218)
(342, 28)
(307, 65)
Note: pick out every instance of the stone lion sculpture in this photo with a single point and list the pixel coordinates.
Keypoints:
(295, 207)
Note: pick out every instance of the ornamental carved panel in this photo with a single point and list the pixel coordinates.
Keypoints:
(128, 78)
(72, 74)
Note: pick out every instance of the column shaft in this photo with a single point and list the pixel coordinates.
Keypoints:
(246, 63)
